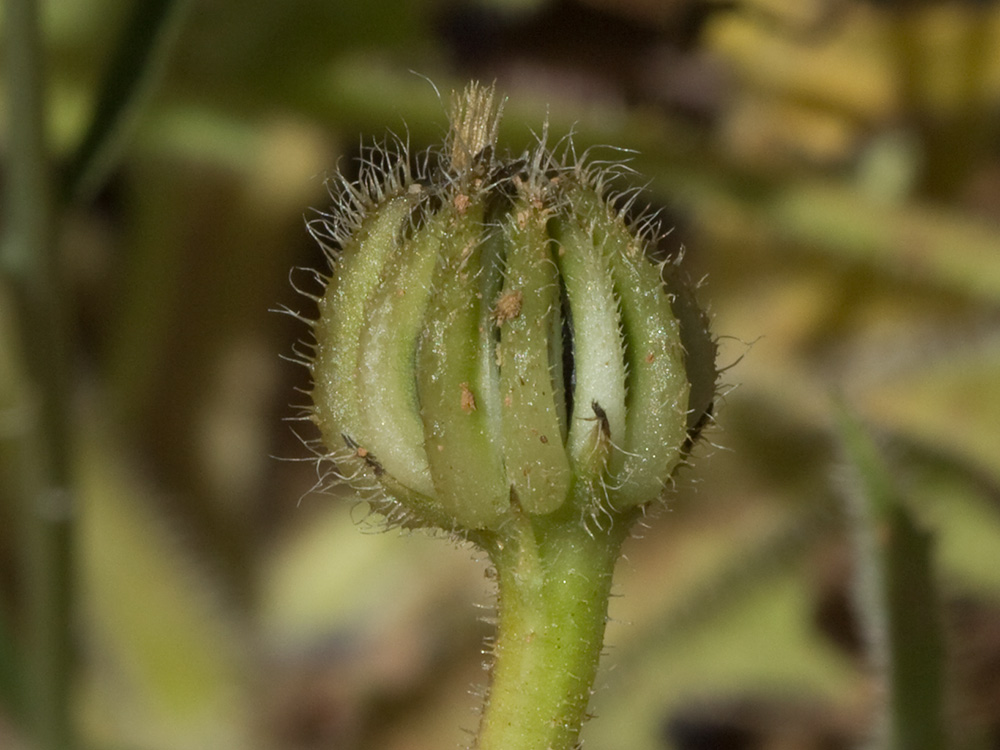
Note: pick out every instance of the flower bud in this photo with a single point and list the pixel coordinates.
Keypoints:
(493, 339)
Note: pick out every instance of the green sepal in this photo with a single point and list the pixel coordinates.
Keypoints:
(658, 389)
(354, 280)
(386, 384)
(462, 450)
(536, 460)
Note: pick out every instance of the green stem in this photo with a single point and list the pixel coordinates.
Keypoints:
(135, 69)
(28, 260)
(897, 599)
(554, 579)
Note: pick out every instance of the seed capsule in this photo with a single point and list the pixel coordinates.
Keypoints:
(494, 341)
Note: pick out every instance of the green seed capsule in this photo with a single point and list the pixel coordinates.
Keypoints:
(493, 342)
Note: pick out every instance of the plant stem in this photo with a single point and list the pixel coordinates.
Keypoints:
(554, 579)
(135, 69)
(897, 599)
(28, 260)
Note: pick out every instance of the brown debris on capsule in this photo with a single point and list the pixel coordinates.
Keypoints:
(508, 306)
(468, 398)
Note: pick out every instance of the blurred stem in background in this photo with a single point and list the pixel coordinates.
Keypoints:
(134, 69)
(42, 686)
(897, 599)
(30, 266)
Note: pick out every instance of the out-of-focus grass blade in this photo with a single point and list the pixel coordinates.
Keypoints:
(897, 598)
(165, 657)
(132, 74)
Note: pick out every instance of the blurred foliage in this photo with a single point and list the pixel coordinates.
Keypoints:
(832, 168)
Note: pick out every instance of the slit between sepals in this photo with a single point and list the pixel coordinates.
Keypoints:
(490, 283)
(568, 361)
(598, 357)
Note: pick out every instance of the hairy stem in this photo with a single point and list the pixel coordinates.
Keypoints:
(554, 579)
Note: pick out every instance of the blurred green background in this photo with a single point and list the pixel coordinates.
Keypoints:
(832, 169)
